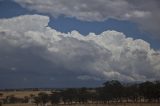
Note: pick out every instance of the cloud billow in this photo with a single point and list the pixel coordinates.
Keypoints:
(31, 47)
(143, 12)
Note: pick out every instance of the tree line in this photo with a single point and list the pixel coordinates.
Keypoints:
(111, 92)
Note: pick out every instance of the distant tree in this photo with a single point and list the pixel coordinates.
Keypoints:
(1, 103)
(112, 90)
(13, 99)
(147, 90)
(44, 98)
(1, 95)
(31, 98)
(69, 95)
(26, 99)
(131, 92)
(92, 96)
(37, 100)
(83, 95)
(157, 91)
(32, 95)
(55, 98)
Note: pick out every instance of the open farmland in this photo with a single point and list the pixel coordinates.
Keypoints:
(112, 93)
(22, 94)
(117, 104)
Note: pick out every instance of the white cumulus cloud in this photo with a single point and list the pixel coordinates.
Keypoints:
(109, 55)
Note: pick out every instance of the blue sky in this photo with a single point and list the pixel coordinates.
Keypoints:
(130, 29)
(76, 54)
(65, 24)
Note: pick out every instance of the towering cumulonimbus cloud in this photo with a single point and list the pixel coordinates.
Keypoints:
(109, 55)
(143, 12)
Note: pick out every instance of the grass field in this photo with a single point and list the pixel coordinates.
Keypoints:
(117, 104)
(22, 94)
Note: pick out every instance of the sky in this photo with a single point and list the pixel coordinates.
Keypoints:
(78, 43)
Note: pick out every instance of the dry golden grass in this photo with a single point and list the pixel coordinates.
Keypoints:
(114, 104)
(22, 94)
(19, 104)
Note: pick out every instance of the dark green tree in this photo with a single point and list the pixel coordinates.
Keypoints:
(26, 99)
(83, 95)
(1, 95)
(147, 90)
(157, 91)
(37, 100)
(69, 95)
(55, 98)
(112, 90)
(44, 98)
